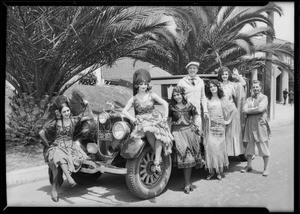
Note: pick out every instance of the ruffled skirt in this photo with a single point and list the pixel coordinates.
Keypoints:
(152, 122)
(65, 152)
(187, 147)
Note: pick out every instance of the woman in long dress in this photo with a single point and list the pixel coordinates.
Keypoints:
(183, 116)
(63, 155)
(149, 121)
(221, 112)
(233, 91)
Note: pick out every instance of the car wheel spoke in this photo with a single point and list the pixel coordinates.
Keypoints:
(151, 179)
(143, 171)
(156, 175)
(143, 176)
(147, 179)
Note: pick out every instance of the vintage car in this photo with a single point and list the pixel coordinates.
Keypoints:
(111, 149)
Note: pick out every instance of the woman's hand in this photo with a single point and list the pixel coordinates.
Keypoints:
(135, 120)
(164, 119)
(235, 71)
(226, 122)
(206, 115)
(195, 129)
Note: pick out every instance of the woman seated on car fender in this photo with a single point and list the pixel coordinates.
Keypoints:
(63, 154)
(149, 121)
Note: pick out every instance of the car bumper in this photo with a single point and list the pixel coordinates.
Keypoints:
(98, 166)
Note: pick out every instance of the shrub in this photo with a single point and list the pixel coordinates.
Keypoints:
(25, 120)
(90, 79)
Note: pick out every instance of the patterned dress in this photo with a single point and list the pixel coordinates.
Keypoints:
(216, 157)
(234, 138)
(150, 120)
(63, 150)
(187, 142)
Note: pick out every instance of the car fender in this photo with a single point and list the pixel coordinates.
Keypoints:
(132, 148)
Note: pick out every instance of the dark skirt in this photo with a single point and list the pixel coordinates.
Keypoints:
(186, 147)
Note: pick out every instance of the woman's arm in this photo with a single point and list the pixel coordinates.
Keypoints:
(232, 115)
(162, 102)
(239, 77)
(87, 113)
(127, 108)
(43, 137)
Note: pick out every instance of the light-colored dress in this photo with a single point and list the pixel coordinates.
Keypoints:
(240, 99)
(150, 120)
(195, 94)
(234, 135)
(63, 150)
(187, 142)
(216, 157)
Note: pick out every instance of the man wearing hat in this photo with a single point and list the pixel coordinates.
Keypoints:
(194, 90)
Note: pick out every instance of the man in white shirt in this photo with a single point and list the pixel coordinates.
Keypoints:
(194, 90)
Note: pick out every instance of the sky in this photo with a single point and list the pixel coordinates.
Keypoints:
(284, 24)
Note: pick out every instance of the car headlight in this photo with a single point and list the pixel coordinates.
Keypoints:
(120, 130)
(103, 117)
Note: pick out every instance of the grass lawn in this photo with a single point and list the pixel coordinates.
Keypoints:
(20, 157)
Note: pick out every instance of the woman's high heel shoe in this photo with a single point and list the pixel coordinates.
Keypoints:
(210, 176)
(157, 167)
(186, 190)
(192, 187)
(73, 184)
(55, 198)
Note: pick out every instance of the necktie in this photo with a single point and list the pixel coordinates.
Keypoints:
(192, 81)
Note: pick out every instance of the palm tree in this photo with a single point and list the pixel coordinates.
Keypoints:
(216, 36)
(48, 45)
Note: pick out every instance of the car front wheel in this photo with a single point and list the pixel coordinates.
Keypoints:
(142, 180)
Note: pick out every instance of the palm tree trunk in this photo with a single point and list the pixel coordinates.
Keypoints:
(269, 71)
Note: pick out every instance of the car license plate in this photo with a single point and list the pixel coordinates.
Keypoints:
(104, 135)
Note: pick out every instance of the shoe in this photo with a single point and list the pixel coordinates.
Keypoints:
(246, 169)
(158, 168)
(55, 199)
(186, 190)
(72, 183)
(192, 187)
(266, 172)
(210, 176)
(219, 177)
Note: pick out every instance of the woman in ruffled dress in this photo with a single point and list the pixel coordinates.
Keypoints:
(234, 92)
(63, 155)
(149, 121)
(182, 116)
(221, 112)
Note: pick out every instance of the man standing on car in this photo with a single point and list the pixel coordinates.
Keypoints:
(257, 129)
(194, 90)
